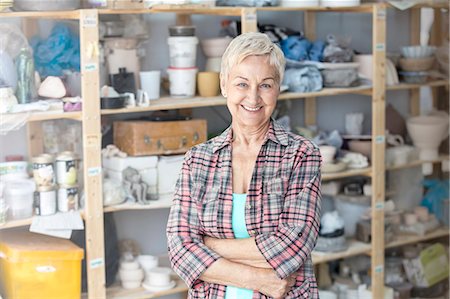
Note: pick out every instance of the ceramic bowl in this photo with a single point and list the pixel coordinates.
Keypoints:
(53, 5)
(129, 265)
(418, 51)
(327, 152)
(148, 261)
(427, 133)
(131, 275)
(414, 77)
(416, 64)
(215, 47)
(159, 276)
(361, 146)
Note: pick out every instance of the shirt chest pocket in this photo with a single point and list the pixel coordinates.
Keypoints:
(273, 201)
(208, 207)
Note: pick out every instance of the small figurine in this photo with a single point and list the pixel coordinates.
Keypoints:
(134, 185)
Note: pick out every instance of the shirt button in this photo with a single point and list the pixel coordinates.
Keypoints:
(249, 206)
(252, 232)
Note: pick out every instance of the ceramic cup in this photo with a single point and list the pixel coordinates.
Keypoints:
(410, 219)
(158, 277)
(422, 214)
(354, 123)
(208, 84)
(327, 152)
(150, 83)
(398, 155)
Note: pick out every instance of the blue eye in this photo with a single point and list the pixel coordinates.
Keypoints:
(266, 86)
(242, 84)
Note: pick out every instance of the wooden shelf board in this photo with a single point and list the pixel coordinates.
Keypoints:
(401, 240)
(168, 103)
(183, 9)
(133, 206)
(355, 248)
(363, 8)
(417, 163)
(347, 173)
(40, 116)
(16, 223)
(117, 292)
(66, 15)
(405, 86)
(429, 3)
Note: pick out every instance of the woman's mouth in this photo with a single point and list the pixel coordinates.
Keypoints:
(251, 109)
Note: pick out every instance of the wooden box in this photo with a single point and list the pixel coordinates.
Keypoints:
(144, 138)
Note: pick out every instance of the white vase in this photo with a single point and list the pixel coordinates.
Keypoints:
(427, 133)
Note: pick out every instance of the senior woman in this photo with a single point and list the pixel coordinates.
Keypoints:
(246, 210)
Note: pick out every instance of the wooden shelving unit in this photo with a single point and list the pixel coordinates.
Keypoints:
(117, 292)
(91, 115)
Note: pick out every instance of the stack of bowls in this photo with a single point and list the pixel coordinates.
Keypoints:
(415, 62)
(131, 274)
(213, 48)
(183, 52)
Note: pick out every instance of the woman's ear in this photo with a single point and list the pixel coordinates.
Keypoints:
(223, 86)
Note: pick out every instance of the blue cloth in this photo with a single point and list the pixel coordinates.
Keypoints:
(240, 232)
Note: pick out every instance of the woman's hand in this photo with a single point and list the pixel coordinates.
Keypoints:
(272, 286)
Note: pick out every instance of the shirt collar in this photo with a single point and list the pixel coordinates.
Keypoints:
(276, 133)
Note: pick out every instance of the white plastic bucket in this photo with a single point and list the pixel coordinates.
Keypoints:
(182, 81)
(183, 51)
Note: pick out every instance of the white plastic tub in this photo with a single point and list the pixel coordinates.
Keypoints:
(182, 81)
(19, 198)
(183, 51)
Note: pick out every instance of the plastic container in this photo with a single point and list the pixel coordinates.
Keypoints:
(19, 198)
(351, 208)
(38, 266)
(183, 51)
(182, 81)
(13, 170)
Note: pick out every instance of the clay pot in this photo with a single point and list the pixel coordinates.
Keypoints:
(208, 84)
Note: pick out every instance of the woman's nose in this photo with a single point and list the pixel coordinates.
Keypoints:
(253, 95)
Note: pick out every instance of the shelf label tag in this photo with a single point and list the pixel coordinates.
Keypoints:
(96, 263)
(381, 14)
(90, 21)
(94, 171)
(379, 269)
(250, 17)
(90, 67)
(379, 206)
(380, 47)
(379, 139)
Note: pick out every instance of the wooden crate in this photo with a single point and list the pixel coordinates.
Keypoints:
(140, 138)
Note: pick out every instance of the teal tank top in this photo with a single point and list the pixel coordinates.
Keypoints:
(240, 232)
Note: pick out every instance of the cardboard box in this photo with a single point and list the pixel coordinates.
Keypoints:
(429, 268)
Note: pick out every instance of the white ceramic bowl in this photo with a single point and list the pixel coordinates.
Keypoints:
(159, 276)
(215, 47)
(427, 133)
(418, 51)
(327, 152)
(131, 275)
(129, 265)
(148, 261)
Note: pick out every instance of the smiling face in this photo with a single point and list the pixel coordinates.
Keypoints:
(251, 90)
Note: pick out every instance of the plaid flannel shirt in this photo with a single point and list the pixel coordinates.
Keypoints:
(282, 212)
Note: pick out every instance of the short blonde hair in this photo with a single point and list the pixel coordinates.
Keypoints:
(248, 44)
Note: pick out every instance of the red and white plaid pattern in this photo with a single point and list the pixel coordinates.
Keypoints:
(282, 212)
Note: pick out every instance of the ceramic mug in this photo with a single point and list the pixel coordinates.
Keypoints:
(142, 98)
(150, 83)
(208, 84)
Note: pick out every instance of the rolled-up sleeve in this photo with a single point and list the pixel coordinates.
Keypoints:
(287, 249)
(188, 255)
